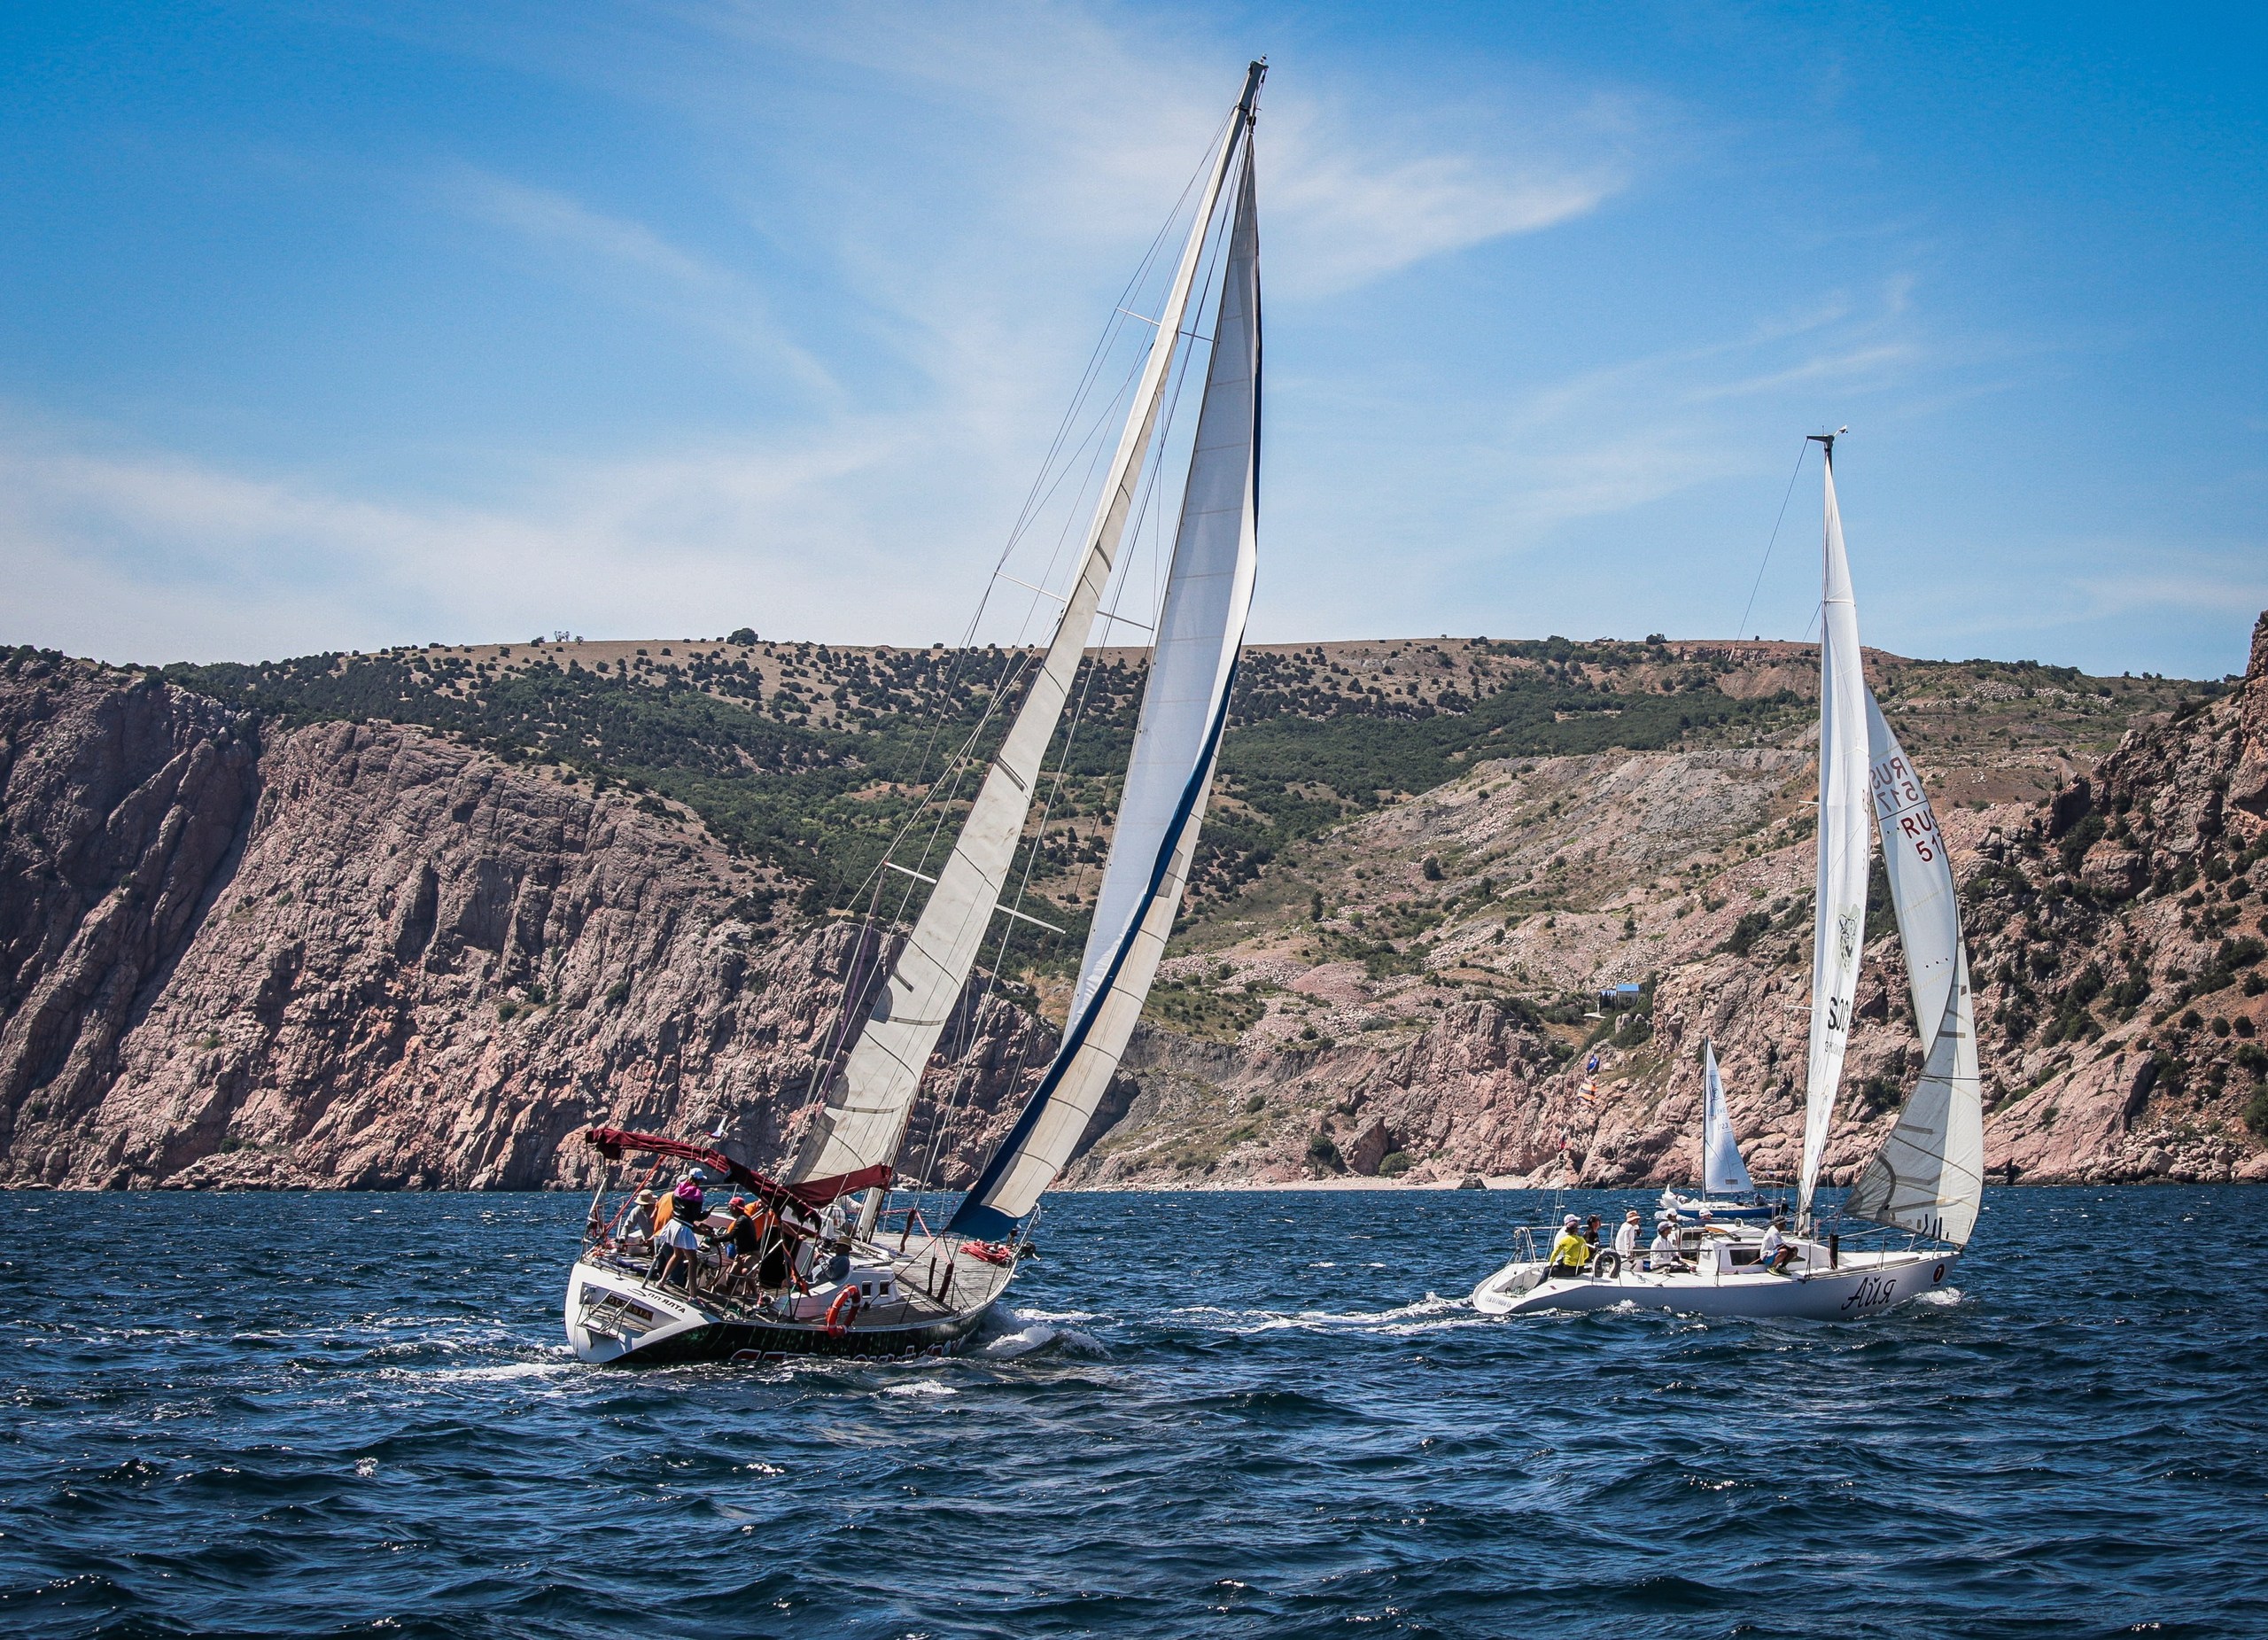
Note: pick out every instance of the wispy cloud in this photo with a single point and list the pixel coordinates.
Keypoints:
(558, 219)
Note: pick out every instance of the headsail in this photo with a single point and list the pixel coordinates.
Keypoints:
(1722, 1171)
(1929, 1175)
(1839, 906)
(1185, 706)
(854, 1138)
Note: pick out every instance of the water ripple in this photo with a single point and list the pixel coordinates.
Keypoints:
(1217, 1416)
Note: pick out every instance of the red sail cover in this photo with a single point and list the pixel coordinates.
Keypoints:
(611, 1142)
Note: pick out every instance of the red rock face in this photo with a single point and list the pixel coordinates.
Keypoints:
(371, 956)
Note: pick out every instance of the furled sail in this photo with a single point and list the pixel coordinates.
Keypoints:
(854, 1140)
(1722, 1171)
(1929, 1175)
(1192, 667)
(1839, 908)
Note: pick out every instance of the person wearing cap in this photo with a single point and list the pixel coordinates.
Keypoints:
(1662, 1254)
(1570, 1252)
(1626, 1238)
(1773, 1253)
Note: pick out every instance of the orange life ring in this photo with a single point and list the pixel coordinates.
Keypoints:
(838, 1321)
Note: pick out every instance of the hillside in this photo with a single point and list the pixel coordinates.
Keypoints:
(414, 917)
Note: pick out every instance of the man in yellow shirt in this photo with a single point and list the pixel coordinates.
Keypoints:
(1570, 1252)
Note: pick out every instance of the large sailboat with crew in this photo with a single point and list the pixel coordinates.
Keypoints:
(1901, 1229)
(808, 1260)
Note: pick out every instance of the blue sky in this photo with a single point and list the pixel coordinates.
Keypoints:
(337, 326)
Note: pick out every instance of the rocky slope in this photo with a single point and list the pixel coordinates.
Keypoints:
(1408, 996)
(364, 954)
(246, 946)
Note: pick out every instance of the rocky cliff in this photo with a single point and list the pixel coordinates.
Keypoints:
(238, 948)
(366, 954)
(1389, 983)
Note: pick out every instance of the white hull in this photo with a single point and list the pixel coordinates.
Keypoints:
(613, 1315)
(1864, 1284)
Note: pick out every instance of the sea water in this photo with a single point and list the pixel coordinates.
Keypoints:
(1233, 1414)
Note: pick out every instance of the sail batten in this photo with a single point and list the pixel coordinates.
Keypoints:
(1176, 743)
(863, 1121)
(1839, 905)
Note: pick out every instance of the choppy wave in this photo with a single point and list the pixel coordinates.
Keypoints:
(1203, 1415)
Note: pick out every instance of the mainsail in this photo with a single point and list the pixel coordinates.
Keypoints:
(1839, 908)
(1929, 1175)
(1722, 1171)
(1192, 667)
(854, 1140)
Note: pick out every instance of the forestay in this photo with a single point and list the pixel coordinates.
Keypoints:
(854, 1140)
(1208, 591)
(1839, 908)
(1722, 1171)
(1929, 1175)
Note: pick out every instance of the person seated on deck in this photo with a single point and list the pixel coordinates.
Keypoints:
(1774, 1254)
(836, 1265)
(1570, 1252)
(1625, 1238)
(1662, 1253)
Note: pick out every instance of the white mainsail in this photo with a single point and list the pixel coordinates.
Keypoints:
(1192, 668)
(1839, 908)
(1929, 1175)
(854, 1140)
(1722, 1171)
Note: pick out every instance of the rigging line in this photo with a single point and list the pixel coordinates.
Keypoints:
(1802, 450)
(1125, 295)
(1041, 489)
(1147, 512)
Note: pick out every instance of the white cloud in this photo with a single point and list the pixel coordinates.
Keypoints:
(558, 219)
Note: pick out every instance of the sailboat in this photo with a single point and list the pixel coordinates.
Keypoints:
(858, 1286)
(1927, 1177)
(1726, 1191)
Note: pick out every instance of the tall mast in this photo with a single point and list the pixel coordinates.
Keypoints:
(854, 1140)
(1176, 743)
(1845, 828)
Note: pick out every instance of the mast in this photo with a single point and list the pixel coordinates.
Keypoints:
(1840, 903)
(1176, 743)
(854, 1140)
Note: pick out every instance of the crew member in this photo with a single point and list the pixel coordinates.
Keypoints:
(1625, 1238)
(1570, 1252)
(1774, 1254)
(1662, 1255)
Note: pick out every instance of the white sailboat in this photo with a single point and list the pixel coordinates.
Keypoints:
(911, 1288)
(1726, 1192)
(1927, 1177)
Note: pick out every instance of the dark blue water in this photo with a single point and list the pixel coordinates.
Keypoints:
(1216, 1415)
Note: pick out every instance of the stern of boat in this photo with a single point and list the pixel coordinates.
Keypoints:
(610, 1313)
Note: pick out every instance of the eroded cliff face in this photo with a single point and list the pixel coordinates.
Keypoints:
(367, 955)
(2116, 934)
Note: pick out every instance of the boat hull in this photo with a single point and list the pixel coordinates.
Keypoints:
(1857, 1290)
(615, 1319)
